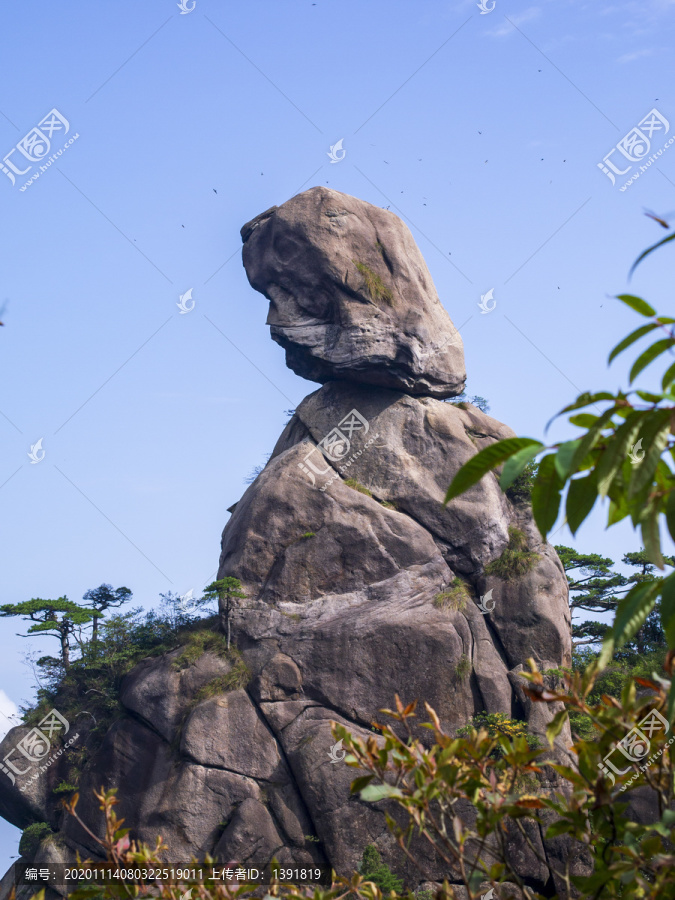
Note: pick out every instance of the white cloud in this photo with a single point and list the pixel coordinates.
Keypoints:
(9, 716)
(636, 54)
(532, 12)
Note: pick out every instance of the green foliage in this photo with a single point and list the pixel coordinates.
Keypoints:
(357, 486)
(628, 858)
(496, 725)
(238, 677)
(196, 644)
(64, 787)
(463, 399)
(371, 868)
(308, 534)
(520, 490)
(623, 453)
(46, 619)
(463, 667)
(388, 505)
(31, 839)
(102, 598)
(455, 598)
(516, 560)
(377, 289)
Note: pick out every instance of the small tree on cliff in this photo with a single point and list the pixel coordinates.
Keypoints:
(225, 591)
(102, 598)
(61, 618)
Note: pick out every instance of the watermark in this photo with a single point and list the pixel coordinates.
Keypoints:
(484, 304)
(334, 447)
(635, 747)
(184, 8)
(36, 453)
(335, 150)
(484, 603)
(489, 896)
(635, 147)
(188, 601)
(35, 147)
(185, 303)
(35, 746)
(484, 8)
(636, 453)
(335, 752)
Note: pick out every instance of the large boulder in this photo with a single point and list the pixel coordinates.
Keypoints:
(351, 296)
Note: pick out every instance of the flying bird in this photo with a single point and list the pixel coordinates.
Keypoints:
(214, 190)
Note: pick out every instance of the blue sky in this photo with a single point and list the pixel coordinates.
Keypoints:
(482, 131)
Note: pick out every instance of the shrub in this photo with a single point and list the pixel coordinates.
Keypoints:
(463, 667)
(376, 287)
(238, 677)
(307, 534)
(32, 837)
(521, 489)
(198, 643)
(455, 598)
(499, 725)
(373, 869)
(516, 560)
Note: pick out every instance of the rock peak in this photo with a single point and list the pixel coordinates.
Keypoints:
(351, 298)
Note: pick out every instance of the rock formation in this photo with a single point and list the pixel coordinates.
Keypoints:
(360, 582)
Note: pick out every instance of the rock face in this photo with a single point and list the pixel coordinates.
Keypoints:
(360, 583)
(350, 295)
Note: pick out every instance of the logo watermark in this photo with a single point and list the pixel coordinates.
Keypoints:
(635, 747)
(35, 746)
(635, 147)
(335, 752)
(36, 453)
(35, 147)
(484, 8)
(335, 446)
(184, 8)
(484, 603)
(335, 150)
(636, 453)
(185, 303)
(489, 896)
(484, 304)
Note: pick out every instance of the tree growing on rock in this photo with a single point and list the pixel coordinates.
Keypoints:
(225, 591)
(61, 618)
(102, 598)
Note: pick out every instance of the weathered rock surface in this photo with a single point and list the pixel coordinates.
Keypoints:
(346, 552)
(351, 296)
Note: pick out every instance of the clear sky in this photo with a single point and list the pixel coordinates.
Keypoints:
(482, 131)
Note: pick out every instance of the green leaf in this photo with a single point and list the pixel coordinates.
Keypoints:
(670, 513)
(583, 420)
(514, 466)
(633, 609)
(642, 256)
(564, 458)
(651, 537)
(668, 378)
(375, 792)
(485, 461)
(592, 436)
(637, 303)
(632, 337)
(649, 356)
(654, 433)
(581, 498)
(668, 609)
(546, 495)
(616, 450)
(555, 726)
(582, 400)
(360, 783)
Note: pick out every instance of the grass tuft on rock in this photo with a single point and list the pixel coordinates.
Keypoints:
(516, 560)
(463, 667)
(197, 644)
(357, 486)
(455, 598)
(377, 289)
